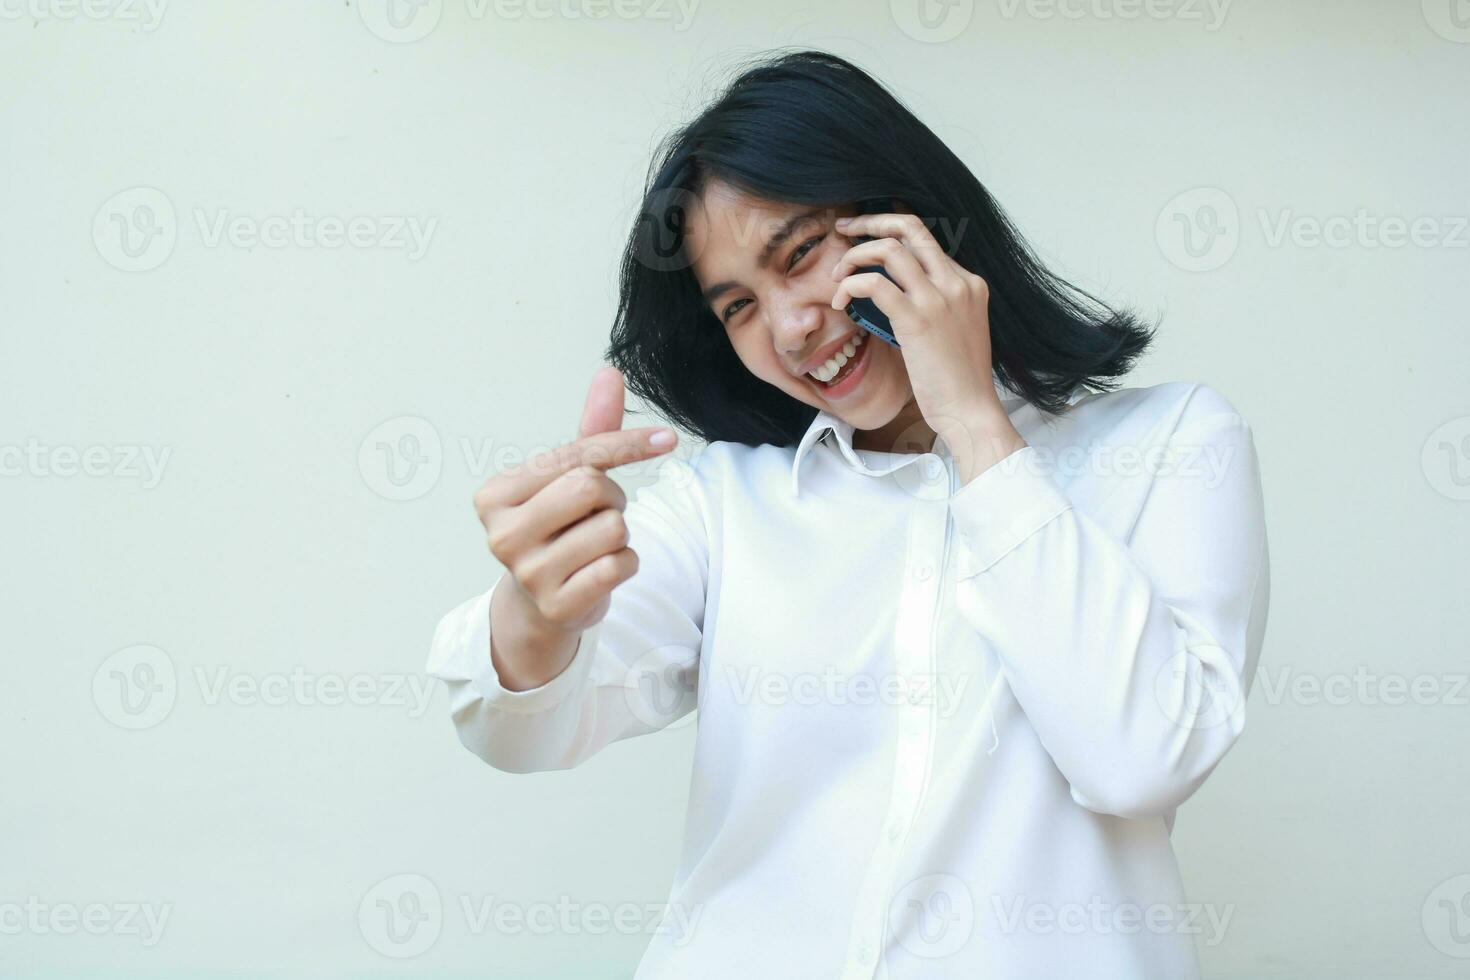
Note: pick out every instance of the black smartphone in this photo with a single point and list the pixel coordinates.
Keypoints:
(861, 310)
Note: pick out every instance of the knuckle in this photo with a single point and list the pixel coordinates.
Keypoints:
(580, 482)
(553, 607)
(617, 528)
(527, 571)
(610, 571)
(589, 483)
(487, 497)
(498, 537)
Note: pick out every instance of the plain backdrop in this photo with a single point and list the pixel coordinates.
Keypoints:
(244, 404)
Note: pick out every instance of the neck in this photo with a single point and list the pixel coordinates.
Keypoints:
(906, 433)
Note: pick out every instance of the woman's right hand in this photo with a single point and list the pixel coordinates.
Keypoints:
(556, 524)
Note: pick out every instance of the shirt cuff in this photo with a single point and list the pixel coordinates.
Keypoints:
(532, 700)
(1004, 506)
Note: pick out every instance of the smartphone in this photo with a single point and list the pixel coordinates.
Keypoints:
(861, 310)
(865, 313)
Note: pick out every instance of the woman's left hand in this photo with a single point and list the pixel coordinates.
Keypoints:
(940, 315)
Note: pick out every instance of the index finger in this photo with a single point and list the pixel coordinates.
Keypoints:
(604, 451)
(907, 228)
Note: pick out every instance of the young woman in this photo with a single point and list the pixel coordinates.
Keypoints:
(964, 621)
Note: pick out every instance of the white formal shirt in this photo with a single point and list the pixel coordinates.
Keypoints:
(942, 730)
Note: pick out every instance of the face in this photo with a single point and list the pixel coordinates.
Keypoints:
(765, 269)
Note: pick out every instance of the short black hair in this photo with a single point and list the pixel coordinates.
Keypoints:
(808, 127)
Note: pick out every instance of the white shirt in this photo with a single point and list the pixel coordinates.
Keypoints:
(941, 732)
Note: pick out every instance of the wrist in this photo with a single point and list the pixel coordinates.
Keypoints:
(980, 438)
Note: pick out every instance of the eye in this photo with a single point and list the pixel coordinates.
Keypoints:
(733, 308)
(802, 249)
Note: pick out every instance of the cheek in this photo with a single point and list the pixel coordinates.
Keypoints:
(758, 357)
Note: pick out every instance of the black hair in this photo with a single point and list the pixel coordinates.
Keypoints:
(808, 127)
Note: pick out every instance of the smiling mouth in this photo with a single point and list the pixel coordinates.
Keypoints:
(838, 367)
(843, 373)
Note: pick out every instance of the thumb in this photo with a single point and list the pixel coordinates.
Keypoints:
(603, 411)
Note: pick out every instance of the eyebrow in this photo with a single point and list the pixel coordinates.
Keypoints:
(783, 232)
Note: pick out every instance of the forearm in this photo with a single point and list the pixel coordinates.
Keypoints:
(1129, 636)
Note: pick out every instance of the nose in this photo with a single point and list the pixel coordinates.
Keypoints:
(796, 324)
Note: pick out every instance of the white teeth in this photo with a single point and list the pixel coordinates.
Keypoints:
(828, 371)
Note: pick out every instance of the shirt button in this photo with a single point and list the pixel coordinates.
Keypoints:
(865, 954)
(894, 829)
(926, 573)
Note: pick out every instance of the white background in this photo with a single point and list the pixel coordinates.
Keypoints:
(269, 542)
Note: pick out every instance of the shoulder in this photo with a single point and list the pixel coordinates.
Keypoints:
(1156, 412)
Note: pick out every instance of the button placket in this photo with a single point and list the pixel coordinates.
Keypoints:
(914, 666)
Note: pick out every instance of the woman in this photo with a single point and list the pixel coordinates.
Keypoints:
(964, 621)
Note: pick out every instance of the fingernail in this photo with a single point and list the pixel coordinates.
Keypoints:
(662, 439)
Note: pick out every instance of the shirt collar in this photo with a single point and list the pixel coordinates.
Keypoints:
(841, 430)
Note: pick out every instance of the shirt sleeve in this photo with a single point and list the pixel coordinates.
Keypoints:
(634, 672)
(1130, 652)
